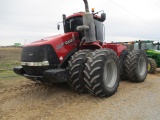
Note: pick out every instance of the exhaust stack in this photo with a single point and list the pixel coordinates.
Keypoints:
(86, 5)
(88, 25)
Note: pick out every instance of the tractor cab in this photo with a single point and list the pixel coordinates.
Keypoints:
(71, 23)
(143, 45)
(156, 46)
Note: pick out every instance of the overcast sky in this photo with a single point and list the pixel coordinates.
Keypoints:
(29, 20)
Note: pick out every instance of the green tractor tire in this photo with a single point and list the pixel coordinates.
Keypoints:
(151, 66)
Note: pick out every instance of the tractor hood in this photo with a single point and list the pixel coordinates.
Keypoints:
(153, 51)
(55, 40)
(157, 51)
(56, 47)
(49, 38)
(45, 40)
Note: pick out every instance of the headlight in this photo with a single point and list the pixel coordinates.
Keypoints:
(44, 63)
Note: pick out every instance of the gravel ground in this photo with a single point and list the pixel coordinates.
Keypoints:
(24, 100)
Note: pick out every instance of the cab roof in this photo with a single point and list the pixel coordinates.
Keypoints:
(80, 14)
(145, 41)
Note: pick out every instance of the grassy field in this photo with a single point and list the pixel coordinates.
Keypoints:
(9, 58)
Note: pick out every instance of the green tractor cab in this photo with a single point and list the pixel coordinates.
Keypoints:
(143, 45)
(156, 46)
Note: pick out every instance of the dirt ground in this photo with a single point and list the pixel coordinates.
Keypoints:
(21, 99)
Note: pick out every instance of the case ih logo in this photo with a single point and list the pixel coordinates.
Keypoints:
(31, 54)
(66, 42)
(69, 41)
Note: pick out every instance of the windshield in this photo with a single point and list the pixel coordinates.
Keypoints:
(70, 25)
(147, 46)
(136, 46)
(155, 47)
(144, 45)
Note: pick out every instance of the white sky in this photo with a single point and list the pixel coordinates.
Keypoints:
(30, 20)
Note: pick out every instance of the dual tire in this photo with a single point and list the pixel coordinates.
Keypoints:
(76, 66)
(98, 72)
(136, 66)
(102, 73)
(122, 59)
(95, 72)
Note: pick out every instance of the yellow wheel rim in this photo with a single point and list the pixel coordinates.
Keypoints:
(149, 66)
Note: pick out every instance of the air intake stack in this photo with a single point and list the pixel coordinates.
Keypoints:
(88, 25)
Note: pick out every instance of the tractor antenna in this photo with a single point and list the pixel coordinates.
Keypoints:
(86, 5)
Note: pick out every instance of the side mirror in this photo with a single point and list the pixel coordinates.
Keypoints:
(103, 17)
(64, 17)
(58, 26)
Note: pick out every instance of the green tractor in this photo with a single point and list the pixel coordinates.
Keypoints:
(156, 46)
(152, 50)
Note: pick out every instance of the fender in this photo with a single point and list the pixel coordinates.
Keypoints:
(92, 46)
(116, 47)
(64, 63)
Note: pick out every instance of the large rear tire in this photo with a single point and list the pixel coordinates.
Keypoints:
(76, 67)
(122, 59)
(102, 73)
(152, 66)
(136, 66)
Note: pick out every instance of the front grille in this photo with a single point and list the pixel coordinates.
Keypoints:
(39, 54)
(31, 54)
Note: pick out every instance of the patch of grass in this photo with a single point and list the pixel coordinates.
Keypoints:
(9, 65)
(9, 57)
(4, 73)
(8, 74)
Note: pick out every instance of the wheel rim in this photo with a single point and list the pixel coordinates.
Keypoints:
(149, 66)
(142, 66)
(110, 73)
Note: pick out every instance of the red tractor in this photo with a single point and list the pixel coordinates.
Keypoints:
(81, 58)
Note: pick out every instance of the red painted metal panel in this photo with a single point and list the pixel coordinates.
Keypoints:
(62, 44)
(116, 47)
